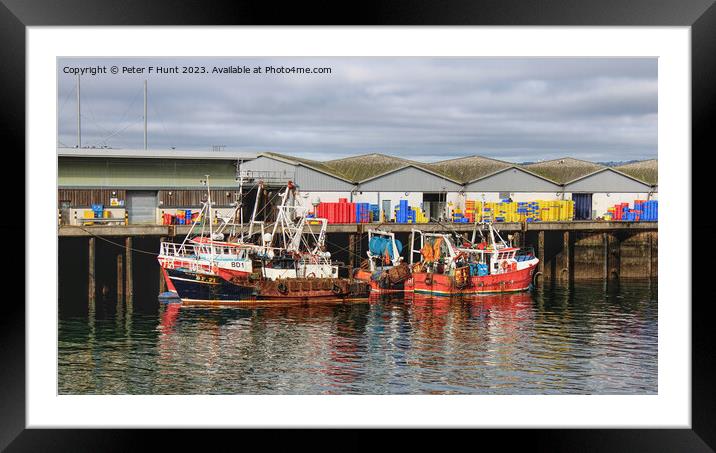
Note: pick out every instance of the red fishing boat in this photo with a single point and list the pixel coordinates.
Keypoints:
(451, 265)
(384, 269)
(289, 263)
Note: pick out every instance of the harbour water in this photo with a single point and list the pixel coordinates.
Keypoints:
(584, 338)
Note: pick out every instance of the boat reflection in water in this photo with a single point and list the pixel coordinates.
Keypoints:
(576, 340)
(345, 345)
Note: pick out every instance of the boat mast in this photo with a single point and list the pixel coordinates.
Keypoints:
(193, 226)
(259, 189)
(280, 216)
(145, 114)
(211, 217)
(295, 243)
(79, 117)
(241, 205)
(322, 235)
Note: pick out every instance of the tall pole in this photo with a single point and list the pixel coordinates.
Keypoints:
(145, 114)
(79, 121)
(211, 216)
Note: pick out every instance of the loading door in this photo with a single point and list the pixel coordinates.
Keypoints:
(142, 206)
(387, 210)
(582, 206)
(434, 205)
(65, 211)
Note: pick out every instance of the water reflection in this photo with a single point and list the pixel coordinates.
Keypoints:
(584, 339)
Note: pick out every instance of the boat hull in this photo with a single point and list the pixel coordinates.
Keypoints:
(198, 288)
(168, 281)
(394, 281)
(205, 288)
(445, 285)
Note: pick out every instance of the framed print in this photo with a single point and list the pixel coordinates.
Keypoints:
(450, 225)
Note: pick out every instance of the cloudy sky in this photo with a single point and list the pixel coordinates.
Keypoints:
(425, 109)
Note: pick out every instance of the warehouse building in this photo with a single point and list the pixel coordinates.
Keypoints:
(595, 187)
(139, 184)
(372, 178)
(144, 185)
(490, 180)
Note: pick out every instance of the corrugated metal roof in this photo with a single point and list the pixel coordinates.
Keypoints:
(366, 166)
(467, 169)
(644, 170)
(154, 153)
(565, 169)
(357, 169)
(314, 164)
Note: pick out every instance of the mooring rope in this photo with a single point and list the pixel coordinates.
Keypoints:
(114, 243)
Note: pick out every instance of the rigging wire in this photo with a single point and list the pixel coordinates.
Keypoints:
(124, 115)
(166, 132)
(130, 123)
(59, 113)
(71, 91)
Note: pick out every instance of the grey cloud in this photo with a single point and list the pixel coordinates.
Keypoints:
(422, 108)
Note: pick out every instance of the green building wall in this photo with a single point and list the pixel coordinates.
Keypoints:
(144, 173)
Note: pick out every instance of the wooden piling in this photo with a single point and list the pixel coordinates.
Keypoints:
(119, 307)
(162, 282)
(605, 245)
(129, 282)
(612, 266)
(91, 286)
(516, 239)
(649, 254)
(654, 255)
(540, 252)
(565, 270)
(120, 278)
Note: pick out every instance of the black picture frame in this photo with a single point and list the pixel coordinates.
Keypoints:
(700, 15)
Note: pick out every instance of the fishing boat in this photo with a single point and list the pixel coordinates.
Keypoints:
(289, 263)
(453, 265)
(384, 269)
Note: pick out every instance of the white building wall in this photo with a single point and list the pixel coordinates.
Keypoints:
(415, 199)
(409, 179)
(512, 179)
(605, 180)
(602, 201)
(457, 201)
(308, 197)
(519, 196)
(366, 197)
(534, 196)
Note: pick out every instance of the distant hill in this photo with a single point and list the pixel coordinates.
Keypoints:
(615, 163)
(612, 163)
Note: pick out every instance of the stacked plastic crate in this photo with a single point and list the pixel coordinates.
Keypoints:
(419, 215)
(341, 212)
(643, 210)
(374, 213)
(362, 214)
